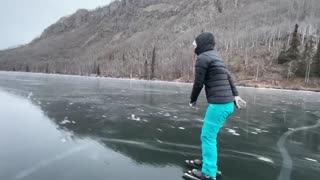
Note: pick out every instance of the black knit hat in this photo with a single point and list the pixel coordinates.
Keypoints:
(205, 42)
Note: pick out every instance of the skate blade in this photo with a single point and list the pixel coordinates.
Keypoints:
(188, 176)
(192, 166)
(219, 174)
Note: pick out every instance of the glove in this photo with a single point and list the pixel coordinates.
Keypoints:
(240, 103)
(192, 104)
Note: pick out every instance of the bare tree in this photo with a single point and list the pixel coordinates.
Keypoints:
(145, 76)
(47, 68)
(257, 75)
(98, 70)
(316, 60)
(308, 62)
(218, 4)
(27, 68)
(292, 69)
(236, 3)
(153, 63)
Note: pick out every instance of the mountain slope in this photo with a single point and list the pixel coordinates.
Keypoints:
(130, 37)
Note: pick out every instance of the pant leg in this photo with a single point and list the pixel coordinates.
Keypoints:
(215, 117)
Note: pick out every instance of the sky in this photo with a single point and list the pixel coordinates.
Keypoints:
(23, 20)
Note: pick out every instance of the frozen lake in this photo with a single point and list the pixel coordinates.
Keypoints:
(57, 127)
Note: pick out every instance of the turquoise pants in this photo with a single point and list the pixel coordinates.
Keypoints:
(215, 117)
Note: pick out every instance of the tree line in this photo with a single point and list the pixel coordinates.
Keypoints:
(296, 55)
(301, 61)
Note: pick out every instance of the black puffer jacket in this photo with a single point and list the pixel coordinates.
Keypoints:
(212, 72)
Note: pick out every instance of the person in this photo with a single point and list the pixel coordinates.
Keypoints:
(221, 93)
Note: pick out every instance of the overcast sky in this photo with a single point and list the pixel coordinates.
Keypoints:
(23, 20)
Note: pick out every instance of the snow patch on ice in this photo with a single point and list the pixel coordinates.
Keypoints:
(30, 95)
(231, 130)
(167, 115)
(266, 159)
(133, 117)
(312, 160)
(198, 119)
(65, 121)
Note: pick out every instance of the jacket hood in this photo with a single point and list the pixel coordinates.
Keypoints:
(205, 42)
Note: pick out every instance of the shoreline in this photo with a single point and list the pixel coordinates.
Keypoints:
(254, 85)
(263, 85)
